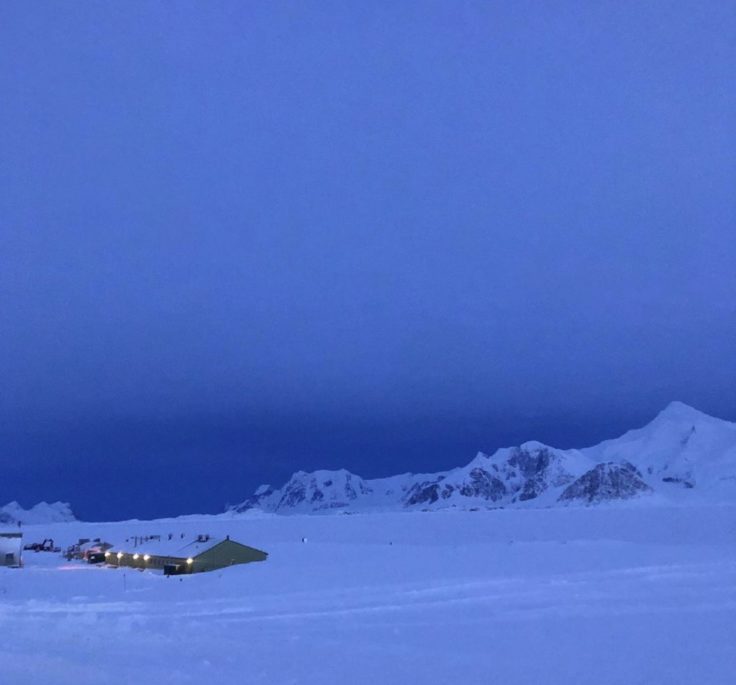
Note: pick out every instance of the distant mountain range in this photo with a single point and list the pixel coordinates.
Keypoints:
(58, 512)
(682, 454)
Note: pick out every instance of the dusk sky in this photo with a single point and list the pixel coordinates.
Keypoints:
(238, 239)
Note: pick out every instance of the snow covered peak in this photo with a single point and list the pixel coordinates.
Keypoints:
(43, 512)
(680, 447)
(319, 490)
(535, 445)
(679, 412)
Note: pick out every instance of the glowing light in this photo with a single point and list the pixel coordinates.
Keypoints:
(120, 555)
(190, 560)
(146, 557)
(135, 556)
(107, 554)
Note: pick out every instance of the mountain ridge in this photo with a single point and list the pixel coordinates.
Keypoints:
(43, 512)
(681, 449)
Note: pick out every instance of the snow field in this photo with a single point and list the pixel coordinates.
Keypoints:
(605, 595)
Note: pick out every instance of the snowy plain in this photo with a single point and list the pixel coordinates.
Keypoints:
(607, 595)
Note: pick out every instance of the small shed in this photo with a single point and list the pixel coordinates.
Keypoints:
(11, 546)
(175, 555)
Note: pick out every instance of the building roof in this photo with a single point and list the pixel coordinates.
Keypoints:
(177, 546)
(94, 545)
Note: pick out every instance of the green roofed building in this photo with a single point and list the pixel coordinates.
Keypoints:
(177, 554)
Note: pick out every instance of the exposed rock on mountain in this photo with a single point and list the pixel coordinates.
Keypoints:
(606, 482)
(516, 474)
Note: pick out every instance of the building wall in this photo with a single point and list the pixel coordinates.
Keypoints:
(155, 563)
(11, 545)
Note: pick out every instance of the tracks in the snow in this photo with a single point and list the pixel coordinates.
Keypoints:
(696, 587)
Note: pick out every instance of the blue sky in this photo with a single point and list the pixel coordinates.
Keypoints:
(239, 239)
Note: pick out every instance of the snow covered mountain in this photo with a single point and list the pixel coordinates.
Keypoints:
(681, 450)
(681, 447)
(43, 512)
